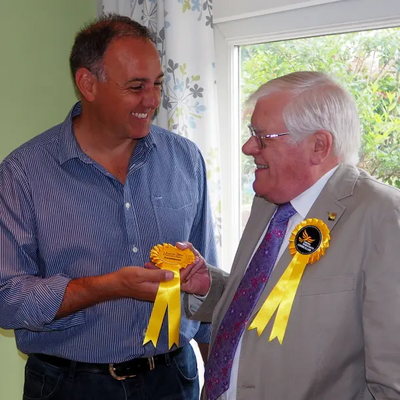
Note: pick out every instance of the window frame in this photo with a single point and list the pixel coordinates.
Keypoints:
(324, 19)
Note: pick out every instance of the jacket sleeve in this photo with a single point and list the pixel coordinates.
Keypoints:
(381, 305)
(201, 309)
(28, 299)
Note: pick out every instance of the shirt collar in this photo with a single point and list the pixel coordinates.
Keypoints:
(303, 202)
(150, 139)
(69, 147)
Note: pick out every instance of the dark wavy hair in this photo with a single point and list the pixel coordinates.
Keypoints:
(93, 40)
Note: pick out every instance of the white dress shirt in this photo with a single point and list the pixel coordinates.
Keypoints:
(302, 204)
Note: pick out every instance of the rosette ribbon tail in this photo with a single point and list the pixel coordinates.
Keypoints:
(174, 309)
(168, 296)
(271, 303)
(297, 265)
(281, 298)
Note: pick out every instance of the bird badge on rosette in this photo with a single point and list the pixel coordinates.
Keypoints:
(308, 243)
(168, 257)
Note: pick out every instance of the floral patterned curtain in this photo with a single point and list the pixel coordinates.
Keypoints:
(183, 33)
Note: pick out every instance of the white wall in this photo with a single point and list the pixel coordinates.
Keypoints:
(333, 17)
(228, 10)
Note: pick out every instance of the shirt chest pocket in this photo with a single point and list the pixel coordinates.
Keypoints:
(172, 201)
(174, 213)
(328, 285)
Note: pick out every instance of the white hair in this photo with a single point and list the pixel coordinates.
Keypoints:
(318, 102)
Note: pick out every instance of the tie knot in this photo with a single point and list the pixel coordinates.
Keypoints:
(284, 212)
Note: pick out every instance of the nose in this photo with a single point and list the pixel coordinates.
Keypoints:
(251, 147)
(151, 98)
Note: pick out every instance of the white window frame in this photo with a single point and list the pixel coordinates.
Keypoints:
(321, 19)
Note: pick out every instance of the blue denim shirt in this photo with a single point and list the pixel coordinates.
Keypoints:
(63, 216)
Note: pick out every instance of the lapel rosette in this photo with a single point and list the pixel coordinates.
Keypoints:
(308, 243)
(170, 258)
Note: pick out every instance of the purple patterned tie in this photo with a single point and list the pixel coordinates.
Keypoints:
(219, 365)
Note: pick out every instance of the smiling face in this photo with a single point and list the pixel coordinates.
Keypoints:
(283, 168)
(125, 102)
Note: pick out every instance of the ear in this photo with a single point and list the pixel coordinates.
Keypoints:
(86, 84)
(322, 142)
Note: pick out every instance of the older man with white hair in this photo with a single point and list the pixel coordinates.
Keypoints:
(311, 308)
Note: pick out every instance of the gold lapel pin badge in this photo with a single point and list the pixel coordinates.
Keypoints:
(331, 216)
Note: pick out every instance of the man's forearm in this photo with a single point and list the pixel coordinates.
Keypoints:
(82, 293)
(128, 282)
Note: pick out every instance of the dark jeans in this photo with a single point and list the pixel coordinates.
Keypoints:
(176, 381)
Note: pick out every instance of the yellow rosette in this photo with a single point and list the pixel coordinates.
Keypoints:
(170, 258)
(308, 243)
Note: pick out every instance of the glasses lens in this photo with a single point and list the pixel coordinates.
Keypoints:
(259, 138)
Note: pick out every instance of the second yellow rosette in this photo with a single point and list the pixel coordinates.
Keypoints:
(170, 258)
(308, 243)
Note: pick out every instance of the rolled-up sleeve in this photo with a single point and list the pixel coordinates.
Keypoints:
(27, 299)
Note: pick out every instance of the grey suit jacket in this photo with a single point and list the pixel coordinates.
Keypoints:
(342, 341)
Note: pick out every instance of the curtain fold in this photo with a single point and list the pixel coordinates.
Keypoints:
(183, 33)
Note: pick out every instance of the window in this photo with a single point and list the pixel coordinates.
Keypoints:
(367, 63)
(239, 37)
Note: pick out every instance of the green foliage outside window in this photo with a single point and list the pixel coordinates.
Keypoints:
(367, 63)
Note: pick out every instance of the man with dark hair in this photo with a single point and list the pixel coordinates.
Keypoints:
(81, 207)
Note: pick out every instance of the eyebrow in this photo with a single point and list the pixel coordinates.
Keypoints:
(144, 79)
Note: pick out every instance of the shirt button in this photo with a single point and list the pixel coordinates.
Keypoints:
(128, 206)
(135, 249)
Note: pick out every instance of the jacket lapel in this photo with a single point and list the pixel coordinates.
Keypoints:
(327, 208)
(261, 213)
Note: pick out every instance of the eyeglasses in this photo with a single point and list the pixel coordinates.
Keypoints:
(254, 133)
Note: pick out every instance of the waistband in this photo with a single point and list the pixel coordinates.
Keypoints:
(119, 371)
